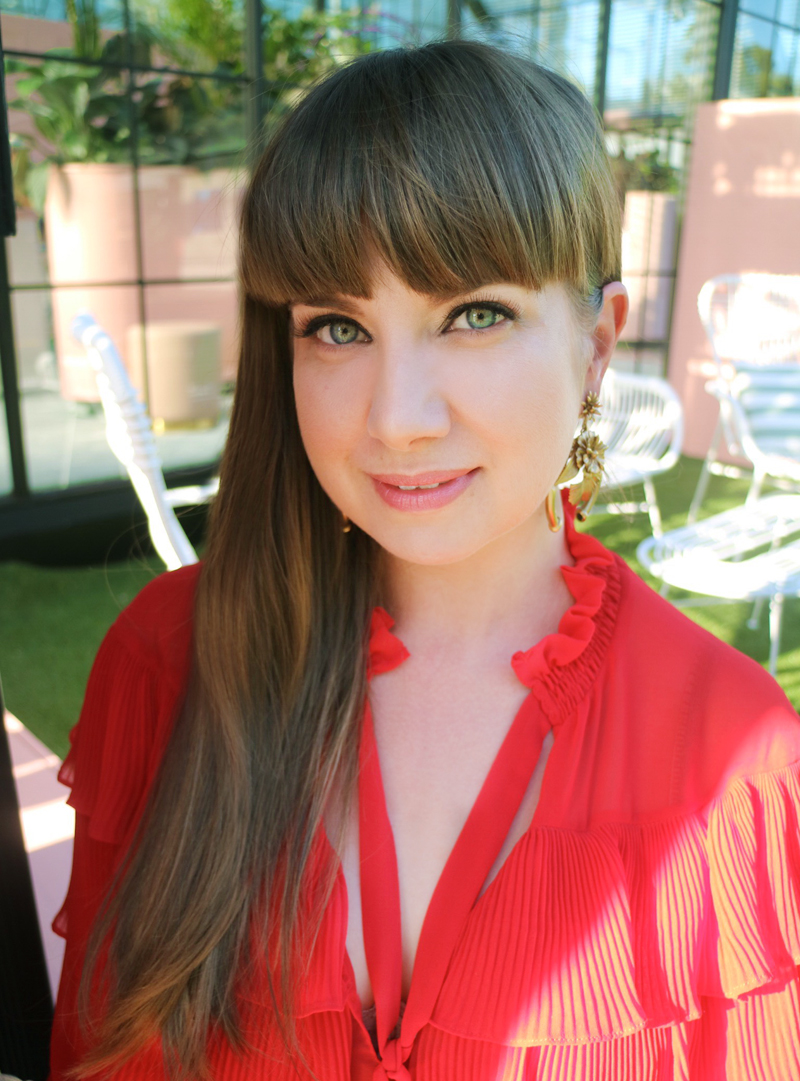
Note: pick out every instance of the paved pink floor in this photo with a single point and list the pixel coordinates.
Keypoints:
(47, 826)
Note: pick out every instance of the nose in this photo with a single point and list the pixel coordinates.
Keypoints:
(408, 404)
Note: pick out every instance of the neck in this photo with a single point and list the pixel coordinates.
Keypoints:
(507, 595)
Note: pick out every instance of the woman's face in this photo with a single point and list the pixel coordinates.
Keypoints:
(439, 425)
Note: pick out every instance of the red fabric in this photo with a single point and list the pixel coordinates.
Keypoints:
(646, 926)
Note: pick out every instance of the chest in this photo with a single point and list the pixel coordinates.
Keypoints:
(436, 740)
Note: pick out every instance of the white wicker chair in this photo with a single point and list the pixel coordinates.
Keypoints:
(750, 552)
(753, 324)
(641, 423)
(130, 436)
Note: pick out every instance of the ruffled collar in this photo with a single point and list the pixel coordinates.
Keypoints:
(562, 665)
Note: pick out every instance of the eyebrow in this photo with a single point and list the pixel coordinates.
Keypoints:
(326, 302)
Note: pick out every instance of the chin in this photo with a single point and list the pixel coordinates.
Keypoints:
(430, 546)
(431, 555)
(427, 547)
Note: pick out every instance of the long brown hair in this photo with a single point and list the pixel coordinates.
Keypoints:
(459, 165)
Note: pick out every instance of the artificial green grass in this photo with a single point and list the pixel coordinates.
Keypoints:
(52, 620)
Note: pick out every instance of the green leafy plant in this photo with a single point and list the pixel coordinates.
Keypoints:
(88, 112)
(85, 113)
(644, 172)
(209, 35)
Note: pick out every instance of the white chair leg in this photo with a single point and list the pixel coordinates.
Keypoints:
(652, 507)
(754, 490)
(705, 473)
(755, 615)
(775, 616)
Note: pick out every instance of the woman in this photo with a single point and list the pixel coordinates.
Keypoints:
(324, 827)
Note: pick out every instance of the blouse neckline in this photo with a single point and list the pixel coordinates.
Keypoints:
(560, 667)
(557, 670)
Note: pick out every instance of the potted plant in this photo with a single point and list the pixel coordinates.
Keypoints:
(649, 188)
(74, 169)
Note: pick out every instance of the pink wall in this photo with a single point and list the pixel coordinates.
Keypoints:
(34, 35)
(742, 214)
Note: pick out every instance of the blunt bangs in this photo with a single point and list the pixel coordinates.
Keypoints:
(454, 163)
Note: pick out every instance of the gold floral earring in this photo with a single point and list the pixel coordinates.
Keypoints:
(587, 454)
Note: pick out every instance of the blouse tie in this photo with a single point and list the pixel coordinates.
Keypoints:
(392, 1064)
(466, 870)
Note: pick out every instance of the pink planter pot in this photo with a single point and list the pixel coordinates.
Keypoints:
(188, 230)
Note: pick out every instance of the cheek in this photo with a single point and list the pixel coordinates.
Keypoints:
(327, 413)
(529, 417)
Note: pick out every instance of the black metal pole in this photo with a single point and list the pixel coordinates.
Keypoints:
(601, 61)
(130, 94)
(726, 38)
(26, 1006)
(8, 352)
(256, 83)
(8, 211)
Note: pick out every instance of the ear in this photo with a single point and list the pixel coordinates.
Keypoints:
(609, 326)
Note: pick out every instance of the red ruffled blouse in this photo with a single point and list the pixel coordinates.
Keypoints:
(646, 927)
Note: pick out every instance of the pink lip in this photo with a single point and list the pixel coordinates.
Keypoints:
(451, 485)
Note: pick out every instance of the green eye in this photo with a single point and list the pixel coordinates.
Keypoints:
(343, 333)
(480, 318)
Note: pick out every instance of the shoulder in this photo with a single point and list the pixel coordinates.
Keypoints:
(157, 624)
(134, 691)
(713, 713)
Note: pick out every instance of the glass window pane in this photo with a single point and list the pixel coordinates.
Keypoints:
(191, 177)
(183, 120)
(190, 344)
(6, 483)
(27, 254)
(5, 462)
(661, 60)
(765, 8)
(789, 12)
(193, 336)
(398, 21)
(567, 41)
(198, 36)
(649, 239)
(90, 223)
(189, 220)
(784, 62)
(215, 302)
(37, 368)
(70, 147)
(37, 26)
(752, 58)
(34, 9)
(63, 425)
(559, 33)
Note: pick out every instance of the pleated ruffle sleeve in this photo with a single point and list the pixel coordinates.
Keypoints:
(132, 696)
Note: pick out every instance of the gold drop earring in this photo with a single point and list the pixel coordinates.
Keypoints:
(346, 523)
(587, 454)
